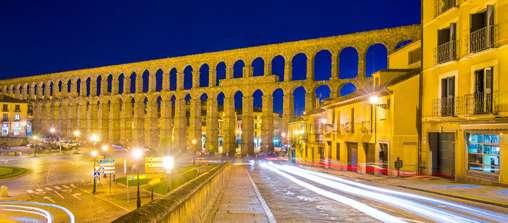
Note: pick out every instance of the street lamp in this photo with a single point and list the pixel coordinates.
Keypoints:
(168, 162)
(94, 154)
(76, 133)
(137, 154)
(35, 138)
(52, 130)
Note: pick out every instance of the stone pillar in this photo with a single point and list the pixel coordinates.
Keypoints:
(165, 82)
(267, 123)
(138, 120)
(139, 82)
(361, 64)
(126, 122)
(179, 80)
(247, 126)
(164, 126)
(83, 117)
(212, 76)
(212, 125)
(104, 85)
(82, 88)
(287, 114)
(127, 85)
(310, 74)
(229, 126)
(114, 120)
(267, 69)
(93, 86)
(309, 101)
(180, 123)
(150, 121)
(92, 118)
(288, 70)
(65, 117)
(335, 66)
(230, 68)
(152, 81)
(114, 85)
(195, 124)
(104, 120)
(195, 78)
(73, 116)
(247, 70)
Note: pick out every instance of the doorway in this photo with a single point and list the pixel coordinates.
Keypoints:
(442, 146)
(352, 156)
(370, 157)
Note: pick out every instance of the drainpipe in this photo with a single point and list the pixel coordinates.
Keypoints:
(420, 97)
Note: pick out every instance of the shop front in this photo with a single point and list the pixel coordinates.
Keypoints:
(483, 154)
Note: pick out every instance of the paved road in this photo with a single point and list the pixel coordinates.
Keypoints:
(297, 195)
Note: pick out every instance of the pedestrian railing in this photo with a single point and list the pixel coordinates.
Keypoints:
(191, 202)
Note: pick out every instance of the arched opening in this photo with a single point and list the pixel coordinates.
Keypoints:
(258, 67)
(60, 87)
(238, 97)
(187, 78)
(220, 102)
(159, 76)
(278, 98)
(51, 87)
(110, 83)
(403, 43)
(376, 59)
(238, 69)
(159, 108)
(146, 80)
(121, 83)
(133, 82)
(98, 84)
(299, 101)
(322, 65)
(278, 64)
(78, 87)
(204, 76)
(348, 63)
(188, 99)
(322, 93)
(299, 67)
(88, 82)
(172, 111)
(347, 89)
(257, 99)
(172, 79)
(220, 73)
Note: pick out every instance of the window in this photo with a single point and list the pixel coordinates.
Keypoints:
(446, 44)
(5, 117)
(482, 97)
(415, 56)
(17, 117)
(482, 30)
(5, 129)
(483, 152)
(16, 108)
(448, 96)
(5, 107)
(337, 151)
(442, 6)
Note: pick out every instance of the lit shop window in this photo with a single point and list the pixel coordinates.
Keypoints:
(483, 152)
(5, 129)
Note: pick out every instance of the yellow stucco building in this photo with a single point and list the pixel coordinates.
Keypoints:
(369, 130)
(16, 121)
(465, 112)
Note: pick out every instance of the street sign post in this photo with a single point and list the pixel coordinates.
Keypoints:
(108, 167)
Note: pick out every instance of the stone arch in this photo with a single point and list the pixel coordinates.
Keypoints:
(278, 63)
(68, 86)
(121, 83)
(238, 97)
(51, 88)
(159, 78)
(238, 69)
(60, 86)
(348, 63)
(133, 82)
(187, 78)
(220, 73)
(376, 58)
(110, 83)
(299, 63)
(322, 65)
(220, 101)
(204, 75)
(278, 98)
(258, 67)
(322, 92)
(172, 79)
(299, 100)
(146, 81)
(346, 89)
(257, 100)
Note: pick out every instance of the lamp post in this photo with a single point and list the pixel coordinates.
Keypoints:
(168, 162)
(137, 154)
(94, 154)
(35, 144)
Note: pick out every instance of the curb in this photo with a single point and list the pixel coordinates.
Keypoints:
(456, 196)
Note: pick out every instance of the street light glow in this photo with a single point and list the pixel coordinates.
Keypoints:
(35, 137)
(94, 153)
(52, 130)
(168, 162)
(105, 148)
(194, 141)
(94, 138)
(76, 133)
(137, 153)
(374, 99)
(323, 120)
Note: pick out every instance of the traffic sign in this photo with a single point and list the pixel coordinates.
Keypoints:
(108, 166)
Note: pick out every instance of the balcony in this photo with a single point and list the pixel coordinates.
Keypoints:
(471, 104)
(446, 52)
(442, 6)
(482, 39)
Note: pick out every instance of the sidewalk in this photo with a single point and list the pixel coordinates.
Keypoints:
(493, 195)
(241, 202)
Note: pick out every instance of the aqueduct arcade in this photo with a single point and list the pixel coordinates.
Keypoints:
(172, 103)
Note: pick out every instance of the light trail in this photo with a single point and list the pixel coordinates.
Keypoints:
(27, 209)
(476, 211)
(405, 201)
(30, 205)
(375, 213)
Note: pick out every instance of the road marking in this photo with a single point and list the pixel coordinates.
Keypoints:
(48, 188)
(39, 190)
(56, 192)
(65, 186)
(30, 191)
(49, 199)
(72, 185)
(268, 212)
(105, 200)
(76, 195)
(57, 187)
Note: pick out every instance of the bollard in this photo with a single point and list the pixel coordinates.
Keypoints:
(4, 191)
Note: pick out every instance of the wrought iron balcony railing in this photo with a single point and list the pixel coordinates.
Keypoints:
(483, 39)
(442, 6)
(471, 104)
(446, 52)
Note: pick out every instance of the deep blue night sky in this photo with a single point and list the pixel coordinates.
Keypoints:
(41, 37)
